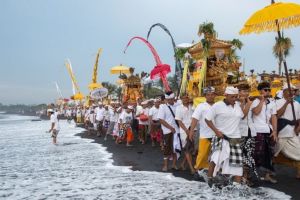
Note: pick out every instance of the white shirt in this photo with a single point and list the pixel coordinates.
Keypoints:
(53, 119)
(78, 113)
(99, 113)
(227, 118)
(69, 113)
(164, 113)
(247, 123)
(200, 114)
(106, 115)
(153, 112)
(262, 120)
(92, 118)
(113, 116)
(144, 111)
(126, 117)
(288, 131)
(184, 114)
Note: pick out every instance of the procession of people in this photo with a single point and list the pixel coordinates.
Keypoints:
(240, 137)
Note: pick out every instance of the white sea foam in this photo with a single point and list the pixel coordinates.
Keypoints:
(32, 168)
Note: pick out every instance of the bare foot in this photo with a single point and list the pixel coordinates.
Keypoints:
(164, 169)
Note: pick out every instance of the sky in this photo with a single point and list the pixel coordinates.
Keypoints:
(38, 35)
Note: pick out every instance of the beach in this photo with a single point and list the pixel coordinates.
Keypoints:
(147, 158)
(78, 168)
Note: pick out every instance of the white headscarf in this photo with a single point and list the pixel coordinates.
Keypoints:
(231, 90)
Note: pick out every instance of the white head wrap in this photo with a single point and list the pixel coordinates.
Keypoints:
(130, 107)
(171, 96)
(208, 90)
(231, 90)
(144, 102)
(50, 111)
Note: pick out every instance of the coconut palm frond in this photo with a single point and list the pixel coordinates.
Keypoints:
(207, 29)
(237, 43)
(206, 44)
(282, 45)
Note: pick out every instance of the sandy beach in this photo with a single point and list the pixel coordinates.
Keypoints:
(148, 158)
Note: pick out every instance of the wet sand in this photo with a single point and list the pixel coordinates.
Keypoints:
(148, 158)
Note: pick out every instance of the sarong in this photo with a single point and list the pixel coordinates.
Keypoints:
(203, 153)
(142, 132)
(222, 158)
(129, 135)
(168, 144)
(264, 151)
(156, 132)
(289, 147)
(248, 148)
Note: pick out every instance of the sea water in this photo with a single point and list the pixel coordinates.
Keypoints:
(31, 167)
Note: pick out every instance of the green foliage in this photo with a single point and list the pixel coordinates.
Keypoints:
(237, 43)
(282, 45)
(180, 53)
(22, 109)
(207, 29)
(151, 92)
(173, 83)
(110, 87)
(206, 44)
(282, 48)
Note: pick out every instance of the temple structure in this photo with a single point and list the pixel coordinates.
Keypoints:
(214, 66)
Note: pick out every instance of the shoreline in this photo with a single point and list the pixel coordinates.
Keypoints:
(139, 157)
(147, 158)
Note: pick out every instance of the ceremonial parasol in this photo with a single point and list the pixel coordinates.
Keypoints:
(119, 69)
(78, 96)
(160, 70)
(99, 93)
(93, 86)
(275, 17)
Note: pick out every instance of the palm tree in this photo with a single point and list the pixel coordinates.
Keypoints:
(281, 49)
(207, 29)
(236, 44)
(110, 87)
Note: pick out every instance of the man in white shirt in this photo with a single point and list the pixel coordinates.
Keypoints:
(113, 119)
(54, 125)
(106, 118)
(224, 118)
(155, 130)
(99, 118)
(69, 115)
(287, 150)
(166, 116)
(142, 114)
(264, 111)
(205, 133)
(79, 118)
(248, 133)
(125, 119)
(183, 116)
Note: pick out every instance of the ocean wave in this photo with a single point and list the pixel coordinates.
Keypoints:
(32, 168)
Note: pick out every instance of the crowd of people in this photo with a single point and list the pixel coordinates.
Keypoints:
(241, 137)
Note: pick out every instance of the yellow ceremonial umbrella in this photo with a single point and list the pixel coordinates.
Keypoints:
(275, 17)
(93, 86)
(78, 96)
(120, 69)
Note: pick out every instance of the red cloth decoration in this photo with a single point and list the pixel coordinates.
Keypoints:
(160, 70)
